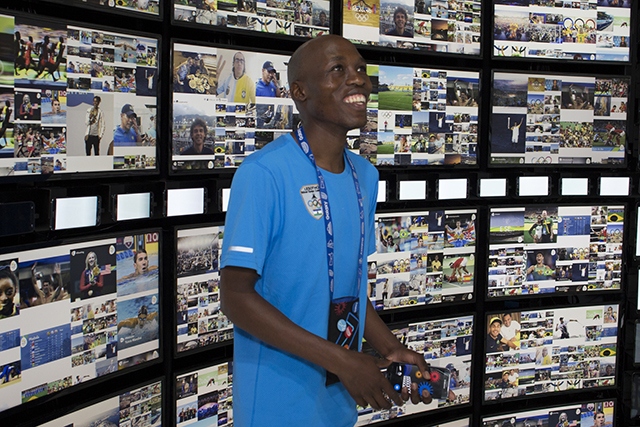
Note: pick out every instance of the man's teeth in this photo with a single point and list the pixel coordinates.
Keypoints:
(355, 98)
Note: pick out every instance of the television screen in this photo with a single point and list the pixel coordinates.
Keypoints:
(595, 413)
(205, 397)
(226, 105)
(137, 407)
(303, 19)
(446, 344)
(540, 119)
(425, 257)
(430, 25)
(77, 311)
(562, 29)
(148, 7)
(550, 350)
(79, 100)
(420, 116)
(550, 249)
(200, 321)
(635, 396)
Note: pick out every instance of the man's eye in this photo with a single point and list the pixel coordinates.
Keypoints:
(337, 68)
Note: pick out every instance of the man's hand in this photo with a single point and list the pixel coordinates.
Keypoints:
(360, 374)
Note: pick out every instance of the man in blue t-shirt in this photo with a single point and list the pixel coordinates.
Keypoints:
(274, 279)
(127, 133)
(267, 85)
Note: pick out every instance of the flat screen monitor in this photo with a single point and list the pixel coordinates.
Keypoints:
(586, 413)
(81, 100)
(555, 249)
(550, 351)
(140, 406)
(562, 29)
(446, 344)
(436, 26)
(200, 322)
(425, 257)
(218, 120)
(420, 116)
(551, 119)
(143, 7)
(304, 19)
(78, 311)
(205, 396)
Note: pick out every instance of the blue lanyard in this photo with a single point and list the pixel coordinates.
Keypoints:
(324, 196)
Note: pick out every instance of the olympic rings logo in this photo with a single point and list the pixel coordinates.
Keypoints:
(362, 17)
(314, 203)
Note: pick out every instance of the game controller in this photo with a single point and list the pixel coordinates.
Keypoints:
(403, 375)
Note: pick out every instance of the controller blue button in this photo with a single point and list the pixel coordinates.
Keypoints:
(397, 387)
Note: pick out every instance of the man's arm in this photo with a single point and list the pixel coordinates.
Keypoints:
(359, 373)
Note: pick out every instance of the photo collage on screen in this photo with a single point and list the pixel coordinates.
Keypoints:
(308, 18)
(562, 29)
(422, 258)
(200, 321)
(420, 117)
(79, 311)
(205, 397)
(593, 413)
(141, 407)
(227, 104)
(547, 249)
(79, 100)
(445, 344)
(431, 25)
(550, 350)
(552, 119)
(151, 7)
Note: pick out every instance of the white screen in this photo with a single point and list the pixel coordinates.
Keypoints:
(614, 186)
(185, 201)
(225, 198)
(133, 206)
(76, 212)
(533, 186)
(382, 191)
(452, 189)
(413, 190)
(575, 186)
(493, 187)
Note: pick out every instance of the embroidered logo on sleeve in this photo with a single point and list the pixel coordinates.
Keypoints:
(311, 198)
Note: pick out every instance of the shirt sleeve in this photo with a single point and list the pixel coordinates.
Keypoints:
(250, 219)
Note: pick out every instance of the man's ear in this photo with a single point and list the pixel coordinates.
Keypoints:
(298, 91)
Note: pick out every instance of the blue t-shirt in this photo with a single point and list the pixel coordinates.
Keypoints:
(263, 89)
(122, 138)
(273, 226)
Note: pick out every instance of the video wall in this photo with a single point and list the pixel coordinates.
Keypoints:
(200, 321)
(205, 397)
(550, 350)
(542, 119)
(226, 105)
(566, 30)
(74, 312)
(420, 116)
(139, 407)
(76, 99)
(150, 7)
(309, 18)
(425, 257)
(430, 25)
(447, 347)
(551, 249)
(594, 413)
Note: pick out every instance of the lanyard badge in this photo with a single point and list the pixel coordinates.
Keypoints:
(344, 322)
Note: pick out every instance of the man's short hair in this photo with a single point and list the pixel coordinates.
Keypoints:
(138, 252)
(198, 122)
(98, 98)
(402, 11)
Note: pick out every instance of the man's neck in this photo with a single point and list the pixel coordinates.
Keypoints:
(327, 146)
